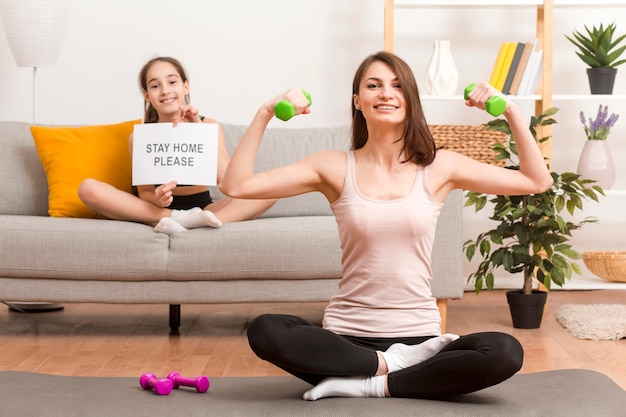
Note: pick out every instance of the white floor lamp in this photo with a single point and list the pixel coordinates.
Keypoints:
(35, 31)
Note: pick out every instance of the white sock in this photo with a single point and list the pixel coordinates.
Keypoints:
(196, 217)
(400, 356)
(354, 387)
(168, 226)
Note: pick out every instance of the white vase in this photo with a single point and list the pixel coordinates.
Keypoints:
(442, 77)
(596, 163)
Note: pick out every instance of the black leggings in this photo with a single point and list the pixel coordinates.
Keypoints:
(471, 363)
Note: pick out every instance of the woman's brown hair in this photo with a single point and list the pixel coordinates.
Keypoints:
(419, 145)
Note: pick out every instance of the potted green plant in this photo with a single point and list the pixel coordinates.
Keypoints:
(598, 49)
(531, 235)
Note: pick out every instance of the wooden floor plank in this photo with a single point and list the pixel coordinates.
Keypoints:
(128, 340)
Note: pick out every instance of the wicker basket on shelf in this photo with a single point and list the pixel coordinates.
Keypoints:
(609, 265)
(471, 140)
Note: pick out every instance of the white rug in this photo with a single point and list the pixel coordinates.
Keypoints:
(594, 321)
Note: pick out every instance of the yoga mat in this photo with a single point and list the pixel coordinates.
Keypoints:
(573, 392)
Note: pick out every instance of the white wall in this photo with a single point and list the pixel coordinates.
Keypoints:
(240, 53)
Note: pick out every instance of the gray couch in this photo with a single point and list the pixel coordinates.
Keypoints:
(290, 254)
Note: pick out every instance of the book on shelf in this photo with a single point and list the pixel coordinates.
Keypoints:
(519, 47)
(506, 64)
(497, 66)
(521, 67)
(534, 65)
(536, 74)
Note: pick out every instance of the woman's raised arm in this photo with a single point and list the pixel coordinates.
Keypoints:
(240, 181)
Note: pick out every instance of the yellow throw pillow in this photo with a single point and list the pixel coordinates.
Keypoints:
(71, 154)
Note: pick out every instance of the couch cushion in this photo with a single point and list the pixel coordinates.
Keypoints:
(66, 248)
(24, 185)
(282, 146)
(293, 248)
(71, 154)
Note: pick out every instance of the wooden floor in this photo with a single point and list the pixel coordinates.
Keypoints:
(129, 340)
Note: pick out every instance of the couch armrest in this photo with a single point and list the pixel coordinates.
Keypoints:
(447, 255)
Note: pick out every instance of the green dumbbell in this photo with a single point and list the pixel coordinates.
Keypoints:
(495, 105)
(285, 110)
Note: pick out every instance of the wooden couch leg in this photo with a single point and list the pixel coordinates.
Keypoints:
(174, 318)
(442, 304)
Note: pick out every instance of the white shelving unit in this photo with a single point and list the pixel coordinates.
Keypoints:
(544, 32)
(544, 29)
(544, 23)
(521, 3)
(615, 192)
(543, 100)
(588, 97)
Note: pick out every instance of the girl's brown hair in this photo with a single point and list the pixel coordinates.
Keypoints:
(150, 113)
(419, 145)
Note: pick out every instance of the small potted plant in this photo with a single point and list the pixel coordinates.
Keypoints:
(598, 49)
(531, 235)
(595, 160)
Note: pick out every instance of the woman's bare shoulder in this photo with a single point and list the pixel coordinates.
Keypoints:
(328, 158)
(446, 170)
(446, 159)
(332, 153)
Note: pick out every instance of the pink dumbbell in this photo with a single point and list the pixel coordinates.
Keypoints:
(201, 383)
(161, 386)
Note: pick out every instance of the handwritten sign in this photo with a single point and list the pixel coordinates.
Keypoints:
(186, 153)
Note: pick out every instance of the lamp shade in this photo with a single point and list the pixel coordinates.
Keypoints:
(35, 29)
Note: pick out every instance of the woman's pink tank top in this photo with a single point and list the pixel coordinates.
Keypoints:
(385, 287)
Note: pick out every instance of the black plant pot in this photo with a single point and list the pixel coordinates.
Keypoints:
(526, 309)
(601, 80)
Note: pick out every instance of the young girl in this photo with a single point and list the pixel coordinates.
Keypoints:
(168, 207)
(381, 332)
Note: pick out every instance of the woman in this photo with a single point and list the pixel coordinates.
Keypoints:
(168, 207)
(381, 332)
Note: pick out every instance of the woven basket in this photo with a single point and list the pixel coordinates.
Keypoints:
(610, 266)
(471, 140)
